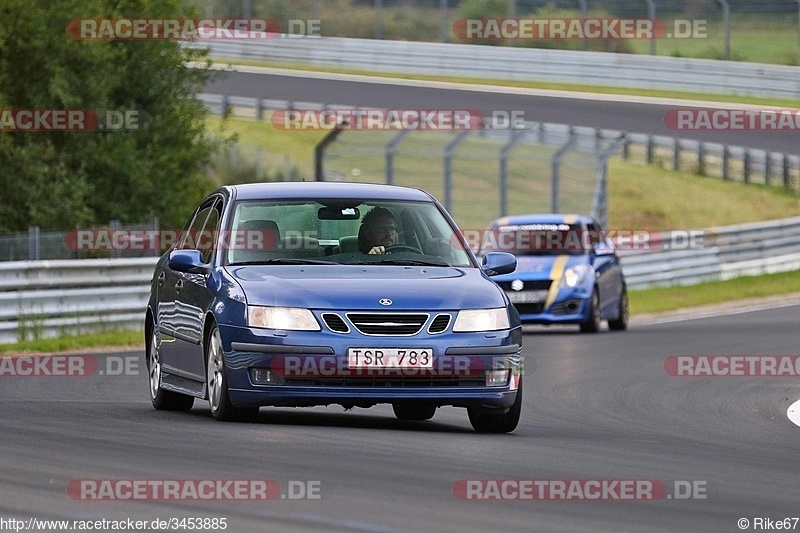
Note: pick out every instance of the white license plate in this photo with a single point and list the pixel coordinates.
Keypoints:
(390, 358)
(526, 297)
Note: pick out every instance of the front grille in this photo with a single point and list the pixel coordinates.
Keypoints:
(439, 324)
(335, 323)
(388, 323)
(389, 382)
(538, 285)
(527, 309)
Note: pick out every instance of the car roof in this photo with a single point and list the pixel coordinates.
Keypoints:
(323, 189)
(541, 218)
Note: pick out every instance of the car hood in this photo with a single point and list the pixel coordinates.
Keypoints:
(364, 286)
(540, 267)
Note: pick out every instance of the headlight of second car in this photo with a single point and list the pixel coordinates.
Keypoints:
(574, 276)
(481, 320)
(288, 318)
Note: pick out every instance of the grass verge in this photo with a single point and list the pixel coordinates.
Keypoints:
(713, 292)
(76, 342)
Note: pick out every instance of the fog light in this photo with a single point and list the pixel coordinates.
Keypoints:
(496, 378)
(265, 376)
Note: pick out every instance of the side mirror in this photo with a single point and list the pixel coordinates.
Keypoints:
(189, 261)
(496, 263)
(604, 248)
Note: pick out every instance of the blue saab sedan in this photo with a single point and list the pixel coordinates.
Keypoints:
(305, 294)
(568, 272)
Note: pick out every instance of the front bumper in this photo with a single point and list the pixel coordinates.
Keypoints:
(310, 368)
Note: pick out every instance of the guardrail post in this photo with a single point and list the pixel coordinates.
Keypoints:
(378, 19)
(767, 166)
(34, 243)
(726, 22)
(442, 21)
(541, 133)
(516, 137)
(746, 176)
(556, 164)
(225, 105)
(676, 154)
(155, 226)
(448, 167)
(650, 146)
(259, 109)
(786, 171)
(391, 148)
(651, 14)
(701, 159)
(626, 148)
(725, 156)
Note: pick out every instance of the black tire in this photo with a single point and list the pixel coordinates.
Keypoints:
(163, 400)
(413, 412)
(621, 322)
(217, 381)
(503, 423)
(592, 325)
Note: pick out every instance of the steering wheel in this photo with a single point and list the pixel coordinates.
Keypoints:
(402, 248)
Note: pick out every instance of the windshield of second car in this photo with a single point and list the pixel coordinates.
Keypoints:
(342, 231)
(539, 239)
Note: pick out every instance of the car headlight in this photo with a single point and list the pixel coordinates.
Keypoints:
(481, 320)
(574, 276)
(289, 318)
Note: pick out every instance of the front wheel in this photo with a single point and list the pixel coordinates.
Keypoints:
(504, 423)
(218, 399)
(163, 400)
(592, 324)
(621, 322)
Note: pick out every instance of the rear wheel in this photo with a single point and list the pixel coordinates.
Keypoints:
(163, 400)
(218, 399)
(413, 412)
(592, 324)
(500, 423)
(621, 323)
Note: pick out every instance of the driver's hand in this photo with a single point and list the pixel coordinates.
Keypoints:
(377, 250)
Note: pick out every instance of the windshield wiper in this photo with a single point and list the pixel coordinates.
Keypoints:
(403, 262)
(283, 261)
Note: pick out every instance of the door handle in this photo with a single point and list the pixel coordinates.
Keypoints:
(179, 286)
(161, 277)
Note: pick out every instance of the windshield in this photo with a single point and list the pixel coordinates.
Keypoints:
(539, 239)
(312, 231)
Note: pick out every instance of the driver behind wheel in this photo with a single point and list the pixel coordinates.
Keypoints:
(379, 229)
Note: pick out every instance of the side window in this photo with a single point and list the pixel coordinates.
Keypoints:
(201, 234)
(595, 235)
(210, 232)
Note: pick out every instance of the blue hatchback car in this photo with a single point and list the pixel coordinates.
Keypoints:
(568, 272)
(304, 294)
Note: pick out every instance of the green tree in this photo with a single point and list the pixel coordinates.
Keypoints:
(60, 179)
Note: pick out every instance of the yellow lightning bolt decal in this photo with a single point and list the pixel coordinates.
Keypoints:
(556, 273)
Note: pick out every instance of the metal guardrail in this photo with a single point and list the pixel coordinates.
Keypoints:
(527, 64)
(52, 298)
(727, 252)
(41, 299)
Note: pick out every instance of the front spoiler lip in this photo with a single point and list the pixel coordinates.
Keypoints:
(462, 397)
